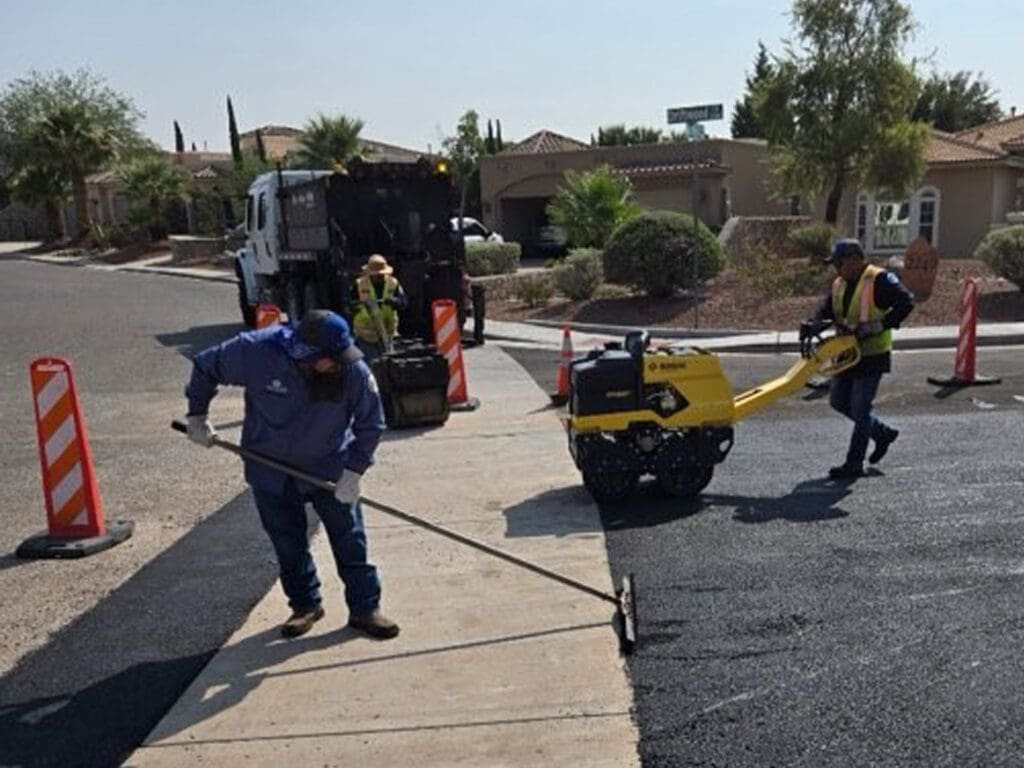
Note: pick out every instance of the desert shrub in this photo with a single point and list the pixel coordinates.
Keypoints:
(773, 277)
(813, 241)
(579, 274)
(484, 258)
(612, 291)
(1003, 251)
(655, 252)
(535, 290)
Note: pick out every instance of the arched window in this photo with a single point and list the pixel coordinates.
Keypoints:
(927, 218)
(885, 224)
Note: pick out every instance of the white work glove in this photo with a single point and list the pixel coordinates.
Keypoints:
(201, 431)
(346, 490)
(865, 330)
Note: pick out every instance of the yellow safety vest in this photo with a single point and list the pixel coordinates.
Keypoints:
(363, 322)
(862, 309)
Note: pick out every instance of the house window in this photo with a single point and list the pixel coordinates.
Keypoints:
(261, 213)
(928, 214)
(887, 224)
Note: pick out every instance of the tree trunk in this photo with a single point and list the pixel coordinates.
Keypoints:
(54, 219)
(834, 199)
(78, 189)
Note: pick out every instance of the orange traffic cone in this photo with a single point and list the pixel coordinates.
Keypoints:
(267, 315)
(561, 395)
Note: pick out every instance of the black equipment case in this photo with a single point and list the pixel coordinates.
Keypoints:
(413, 383)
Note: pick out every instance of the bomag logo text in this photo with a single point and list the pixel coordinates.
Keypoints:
(672, 365)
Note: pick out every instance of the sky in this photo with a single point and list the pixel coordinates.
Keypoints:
(409, 70)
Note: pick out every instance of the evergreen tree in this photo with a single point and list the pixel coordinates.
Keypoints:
(261, 151)
(744, 119)
(489, 145)
(179, 139)
(236, 146)
(501, 144)
(953, 103)
(193, 146)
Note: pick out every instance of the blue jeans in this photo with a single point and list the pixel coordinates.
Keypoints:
(284, 520)
(854, 397)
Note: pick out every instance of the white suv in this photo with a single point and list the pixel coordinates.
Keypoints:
(474, 231)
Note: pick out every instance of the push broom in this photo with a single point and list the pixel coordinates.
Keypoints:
(624, 599)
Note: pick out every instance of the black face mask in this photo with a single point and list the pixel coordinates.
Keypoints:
(324, 386)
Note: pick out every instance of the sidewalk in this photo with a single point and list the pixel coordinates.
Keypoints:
(586, 336)
(495, 665)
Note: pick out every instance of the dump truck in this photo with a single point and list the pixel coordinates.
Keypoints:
(309, 234)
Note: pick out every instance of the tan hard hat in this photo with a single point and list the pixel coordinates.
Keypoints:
(377, 265)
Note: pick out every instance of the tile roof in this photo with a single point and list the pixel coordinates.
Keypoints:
(947, 148)
(544, 141)
(995, 135)
(272, 130)
(666, 167)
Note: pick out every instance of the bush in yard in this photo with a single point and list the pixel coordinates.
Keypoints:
(535, 290)
(774, 277)
(580, 274)
(492, 258)
(813, 241)
(655, 252)
(1003, 251)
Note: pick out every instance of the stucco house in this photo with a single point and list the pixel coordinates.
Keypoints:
(975, 180)
(731, 179)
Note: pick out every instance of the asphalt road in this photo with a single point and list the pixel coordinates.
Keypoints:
(784, 620)
(94, 651)
(789, 620)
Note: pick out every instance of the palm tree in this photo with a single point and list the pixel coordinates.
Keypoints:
(42, 185)
(329, 142)
(152, 181)
(591, 205)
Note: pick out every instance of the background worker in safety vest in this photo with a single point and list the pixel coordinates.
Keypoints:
(311, 402)
(869, 302)
(380, 296)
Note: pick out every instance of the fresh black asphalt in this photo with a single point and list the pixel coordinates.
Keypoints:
(788, 620)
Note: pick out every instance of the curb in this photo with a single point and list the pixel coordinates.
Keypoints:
(82, 261)
(780, 345)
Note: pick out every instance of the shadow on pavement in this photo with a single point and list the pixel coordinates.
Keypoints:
(810, 501)
(557, 512)
(97, 688)
(196, 339)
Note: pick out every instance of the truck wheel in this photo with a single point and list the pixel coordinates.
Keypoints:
(293, 301)
(248, 310)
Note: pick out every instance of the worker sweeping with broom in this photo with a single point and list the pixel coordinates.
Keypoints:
(310, 402)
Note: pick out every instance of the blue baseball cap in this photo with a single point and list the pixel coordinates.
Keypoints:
(845, 248)
(323, 333)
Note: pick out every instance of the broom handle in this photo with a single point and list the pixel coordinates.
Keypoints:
(327, 485)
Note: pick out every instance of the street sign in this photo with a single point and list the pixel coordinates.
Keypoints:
(694, 114)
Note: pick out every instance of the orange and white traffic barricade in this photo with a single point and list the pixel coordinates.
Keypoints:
(561, 393)
(448, 340)
(964, 374)
(74, 512)
(267, 315)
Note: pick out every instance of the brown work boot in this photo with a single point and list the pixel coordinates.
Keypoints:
(375, 624)
(301, 621)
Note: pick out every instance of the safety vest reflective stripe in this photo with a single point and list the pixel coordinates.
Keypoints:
(862, 309)
(363, 322)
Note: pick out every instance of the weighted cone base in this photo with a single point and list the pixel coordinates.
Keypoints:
(559, 400)
(953, 381)
(46, 546)
(470, 404)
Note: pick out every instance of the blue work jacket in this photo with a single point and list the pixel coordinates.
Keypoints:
(321, 438)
